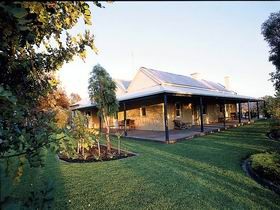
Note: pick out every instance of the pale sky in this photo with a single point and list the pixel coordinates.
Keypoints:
(216, 39)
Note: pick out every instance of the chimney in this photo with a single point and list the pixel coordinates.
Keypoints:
(196, 76)
(227, 82)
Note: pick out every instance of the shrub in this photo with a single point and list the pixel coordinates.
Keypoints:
(275, 128)
(272, 107)
(267, 165)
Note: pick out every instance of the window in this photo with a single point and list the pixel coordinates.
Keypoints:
(178, 109)
(143, 111)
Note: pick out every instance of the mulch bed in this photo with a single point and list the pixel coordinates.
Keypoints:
(264, 182)
(104, 156)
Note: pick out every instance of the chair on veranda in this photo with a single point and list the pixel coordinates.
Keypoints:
(178, 124)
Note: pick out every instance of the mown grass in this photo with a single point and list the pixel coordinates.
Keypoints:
(203, 173)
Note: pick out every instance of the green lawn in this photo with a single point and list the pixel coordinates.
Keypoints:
(203, 173)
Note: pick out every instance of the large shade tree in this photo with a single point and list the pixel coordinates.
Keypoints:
(102, 92)
(35, 41)
(271, 33)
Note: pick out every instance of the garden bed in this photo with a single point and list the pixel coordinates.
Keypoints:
(264, 168)
(273, 135)
(274, 131)
(91, 155)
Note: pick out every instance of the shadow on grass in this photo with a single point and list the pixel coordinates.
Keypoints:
(53, 172)
(33, 179)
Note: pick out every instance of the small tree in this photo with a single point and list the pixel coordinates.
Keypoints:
(81, 133)
(119, 135)
(102, 92)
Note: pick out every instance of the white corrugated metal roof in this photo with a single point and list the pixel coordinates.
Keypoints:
(174, 83)
(202, 92)
(122, 83)
(216, 86)
(177, 79)
(173, 89)
(171, 78)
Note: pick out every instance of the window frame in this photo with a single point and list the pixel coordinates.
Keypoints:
(178, 109)
(141, 111)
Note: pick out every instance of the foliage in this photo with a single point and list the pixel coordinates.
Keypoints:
(57, 102)
(34, 43)
(274, 123)
(31, 48)
(81, 137)
(102, 92)
(272, 107)
(57, 98)
(62, 117)
(24, 132)
(41, 199)
(267, 165)
(74, 98)
(274, 126)
(271, 33)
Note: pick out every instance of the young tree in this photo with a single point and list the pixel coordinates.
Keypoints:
(102, 92)
(271, 33)
(81, 133)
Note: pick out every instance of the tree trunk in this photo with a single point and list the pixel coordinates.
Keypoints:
(78, 148)
(98, 146)
(119, 145)
(108, 139)
(83, 148)
(107, 135)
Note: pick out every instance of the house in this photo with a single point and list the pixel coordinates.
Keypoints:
(153, 99)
